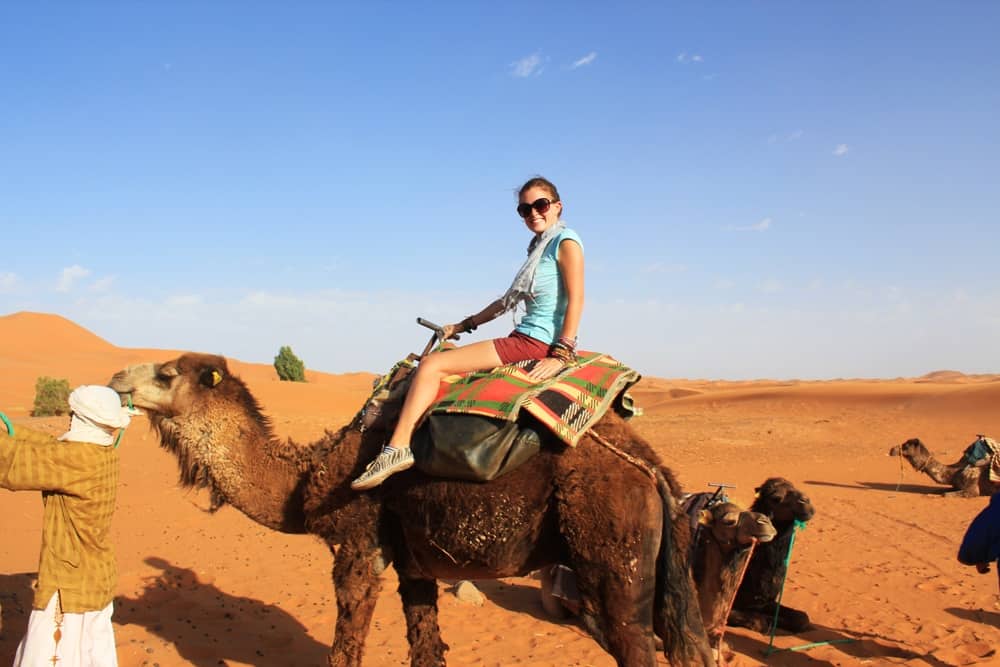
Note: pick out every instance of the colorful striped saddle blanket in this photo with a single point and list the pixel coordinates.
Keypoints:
(568, 404)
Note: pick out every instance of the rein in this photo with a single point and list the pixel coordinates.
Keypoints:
(638, 463)
(6, 422)
(732, 600)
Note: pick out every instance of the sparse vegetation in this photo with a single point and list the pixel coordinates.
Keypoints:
(51, 397)
(290, 368)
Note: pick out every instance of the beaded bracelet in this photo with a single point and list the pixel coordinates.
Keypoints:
(562, 352)
(568, 342)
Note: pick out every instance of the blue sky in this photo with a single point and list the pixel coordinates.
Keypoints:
(764, 189)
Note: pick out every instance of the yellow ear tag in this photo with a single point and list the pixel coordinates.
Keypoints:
(216, 378)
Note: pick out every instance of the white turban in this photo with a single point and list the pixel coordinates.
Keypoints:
(97, 413)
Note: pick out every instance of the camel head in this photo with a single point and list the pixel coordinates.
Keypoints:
(910, 449)
(198, 409)
(782, 502)
(733, 527)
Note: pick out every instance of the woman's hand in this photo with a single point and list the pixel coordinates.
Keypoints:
(546, 368)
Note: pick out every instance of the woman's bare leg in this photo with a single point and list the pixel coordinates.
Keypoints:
(432, 369)
(397, 457)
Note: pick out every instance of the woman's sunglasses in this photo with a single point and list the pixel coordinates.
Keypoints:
(540, 205)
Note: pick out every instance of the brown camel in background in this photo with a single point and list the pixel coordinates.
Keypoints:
(968, 481)
(616, 523)
(757, 597)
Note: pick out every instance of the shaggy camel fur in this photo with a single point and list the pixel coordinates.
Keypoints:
(968, 481)
(718, 553)
(757, 597)
(616, 523)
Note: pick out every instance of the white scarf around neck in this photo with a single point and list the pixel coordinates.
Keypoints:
(522, 287)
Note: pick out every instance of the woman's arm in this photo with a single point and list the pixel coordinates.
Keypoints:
(487, 314)
(570, 259)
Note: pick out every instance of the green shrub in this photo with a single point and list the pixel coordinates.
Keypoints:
(51, 397)
(290, 368)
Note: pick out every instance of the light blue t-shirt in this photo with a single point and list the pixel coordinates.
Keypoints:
(547, 309)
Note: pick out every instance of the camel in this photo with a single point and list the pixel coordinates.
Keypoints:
(757, 598)
(721, 550)
(597, 507)
(967, 481)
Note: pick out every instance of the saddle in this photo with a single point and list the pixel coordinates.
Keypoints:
(984, 451)
(485, 424)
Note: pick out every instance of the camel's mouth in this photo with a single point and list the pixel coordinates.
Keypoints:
(895, 451)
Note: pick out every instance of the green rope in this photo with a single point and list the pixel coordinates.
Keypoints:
(121, 431)
(799, 525)
(6, 422)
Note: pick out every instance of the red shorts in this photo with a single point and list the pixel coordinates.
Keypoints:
(518, 347)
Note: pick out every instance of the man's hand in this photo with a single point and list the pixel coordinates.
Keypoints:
(545, 369)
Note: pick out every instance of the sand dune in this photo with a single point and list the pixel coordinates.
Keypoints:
(876, 566)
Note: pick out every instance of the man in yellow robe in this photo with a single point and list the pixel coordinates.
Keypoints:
(70, 622)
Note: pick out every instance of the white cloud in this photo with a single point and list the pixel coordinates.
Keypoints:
(770, 285)
(102, 284)
(761, 226)
(184, 300)
(527, 66)
(724, 283)
(841, 150)
(8, 281)
(586, 60)
(684, 58)
(69, 276)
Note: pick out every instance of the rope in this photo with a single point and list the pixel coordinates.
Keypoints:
(774, 622)
(638, 463)
(121, 431)
(732, 600)
(6, 422)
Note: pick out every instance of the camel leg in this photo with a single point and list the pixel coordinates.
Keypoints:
(617, 597)
(420, 609)
(357, 584)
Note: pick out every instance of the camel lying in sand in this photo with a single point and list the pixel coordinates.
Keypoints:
(607, 509)
(967, 481)
(757, 598)
(722, 548)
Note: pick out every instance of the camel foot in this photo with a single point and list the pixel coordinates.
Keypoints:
(793, 620)
(759, 620)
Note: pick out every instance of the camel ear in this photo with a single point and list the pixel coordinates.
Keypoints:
(210, 377)
(705, 517)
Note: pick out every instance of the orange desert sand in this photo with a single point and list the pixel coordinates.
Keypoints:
(876, 565)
